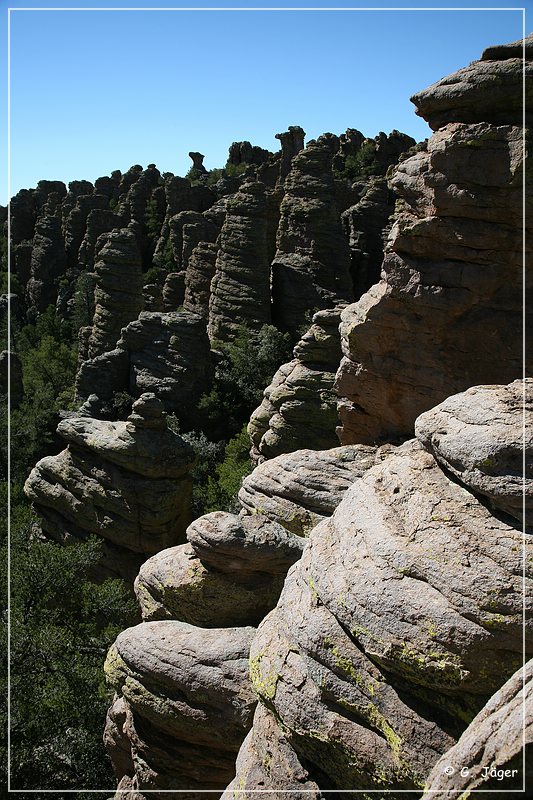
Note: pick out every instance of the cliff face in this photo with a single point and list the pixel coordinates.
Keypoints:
(451, 287)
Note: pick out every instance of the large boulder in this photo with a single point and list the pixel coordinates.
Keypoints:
(184, 704)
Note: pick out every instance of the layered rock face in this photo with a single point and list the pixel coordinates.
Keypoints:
(200, 272)
(451, 286)
(240, 290)
(48, 263)
(311, 267)
(402, 618)
(164, 353)
(299, 408)
(118, 294)
(126, 482)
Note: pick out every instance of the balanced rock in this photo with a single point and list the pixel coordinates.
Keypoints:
(198, 162)
(118, 293)
(299, 407)
(184, 702)
(490, 758)
(447, 312)
(481, 436)
(126, 482)
(292, 141)
(240, 289)
(230, 573)
(488, 90)
(164, 353)
(311, 265)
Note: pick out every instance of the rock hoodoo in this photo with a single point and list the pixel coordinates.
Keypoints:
(299, 408)
(118, 294)
(451, 286)
(127, 482)
(311, 267)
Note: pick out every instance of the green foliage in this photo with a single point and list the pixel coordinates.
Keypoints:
(361, 164)
(245, 369)
(222, 489)
(153, 275)
(209, 455)
(229, 171)
(121, 404)
(48, 368)
(153, 219)
(61, 628)
(83, 305)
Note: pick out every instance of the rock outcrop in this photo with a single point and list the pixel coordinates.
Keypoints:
(48, 263)
(311, 267)
(183, 706)
(446, 313)
(240, 289)
(292, 141)
(200, 272)
(126, 482)
(402, 618)
(164, 353)
(490, 757)
(230, 573)
(299, 408)
(118, 294)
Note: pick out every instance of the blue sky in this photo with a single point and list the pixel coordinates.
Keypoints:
(94, 91)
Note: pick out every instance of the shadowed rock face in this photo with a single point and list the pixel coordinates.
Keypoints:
(118, 294)
(164, 353)
(240, 290)
(48, 263)
(200, 272)
(446, 314)
(184, 704)
(246, 153)
(127, 482)
(401, 619)
(299, 408)
(491, 749)
(292, 141)
(311, 266)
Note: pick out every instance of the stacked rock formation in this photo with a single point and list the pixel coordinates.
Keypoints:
(240, 290)
(292, 141)
(126, 482)
(451, 287)
(299, 408)
(311, 266)
(200, 272)
(164, 353)
(402, 618)
(48, 263)
(118, 294)
(230, 573)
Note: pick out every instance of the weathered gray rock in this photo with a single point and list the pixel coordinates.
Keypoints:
(245, 153)
(118, 293)
(198, 162)
(488, 90)
(292, 141)
(365, 225)
(402, 617)
(75, 224)
(299, 408)
(187, 693)
(311, 266)
(240, 289)
(99, 221)
(230, 573)
(489, 758)
(127, 482)
(164, 353)
(300, 489)
(481, 437)
(48, 263)
(447, 313)
(198, 277)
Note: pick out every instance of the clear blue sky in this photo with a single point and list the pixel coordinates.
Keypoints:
(94, 91)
